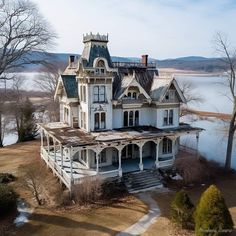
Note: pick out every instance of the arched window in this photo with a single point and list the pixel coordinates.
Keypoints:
(125, 121)
(100, 67)
(136, 119)
(134, 95)
(129, 95)
(100, 63)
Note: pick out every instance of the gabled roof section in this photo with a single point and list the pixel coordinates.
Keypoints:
(160, 87)
(143, 76)
(69, 84)
(129, 81)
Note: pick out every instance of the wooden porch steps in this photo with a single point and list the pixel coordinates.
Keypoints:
(141, 181)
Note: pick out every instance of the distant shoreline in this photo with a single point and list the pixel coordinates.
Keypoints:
(176, 72)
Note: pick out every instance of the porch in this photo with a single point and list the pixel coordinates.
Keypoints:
(73, 154)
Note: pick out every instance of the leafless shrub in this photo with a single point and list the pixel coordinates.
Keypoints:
(88, 191)
(40, 182)
(195, 170)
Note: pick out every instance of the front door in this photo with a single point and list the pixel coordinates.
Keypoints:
(129, 151)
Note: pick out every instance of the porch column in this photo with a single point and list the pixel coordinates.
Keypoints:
(54, 148)
(173, 148)
(71, 165)
(41, 151)
(61, 151)
(97, 162)
(157, 154)
(48, 146)
(197, 138)
(41, 133)
(141, 157)
(120, 169)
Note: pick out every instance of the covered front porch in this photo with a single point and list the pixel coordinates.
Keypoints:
(106, 155)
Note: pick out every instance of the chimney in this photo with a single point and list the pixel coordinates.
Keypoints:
(145, 60)
(71, 60)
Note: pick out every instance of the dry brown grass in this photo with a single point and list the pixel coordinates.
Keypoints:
(69, 221)
(11, 157)
(227, 185)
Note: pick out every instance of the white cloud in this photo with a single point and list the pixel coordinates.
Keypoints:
(160, 28)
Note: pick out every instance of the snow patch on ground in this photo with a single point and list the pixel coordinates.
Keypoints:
(24, 212)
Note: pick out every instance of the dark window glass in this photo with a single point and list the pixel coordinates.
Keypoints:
(131, 118)
(125, 118)
(96, 121)
(136, 118)
(171, 114)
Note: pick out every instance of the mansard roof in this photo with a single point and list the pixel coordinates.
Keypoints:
(70, 85)
(93, 51)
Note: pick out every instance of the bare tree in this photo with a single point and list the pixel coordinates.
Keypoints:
(190, 95)
(47, 82)
(223, 48)
(22, 31)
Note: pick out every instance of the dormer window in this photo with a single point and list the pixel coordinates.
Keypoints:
(131, 95)
(100, 68)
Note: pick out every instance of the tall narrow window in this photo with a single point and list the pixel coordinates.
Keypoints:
(131, 118)
(81, 93)
(99, 94)
(84, 93)
(103, 120)
(96, 94)
(168, 117)
(96, 121)
(134, 95)
(165, 118)
(125, 118)
(99, 121)
(102, 94)
(171, 114)
(167, 146)
(129, 95)
(136, 120)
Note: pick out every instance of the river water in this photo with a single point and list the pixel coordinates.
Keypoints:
(213, 141)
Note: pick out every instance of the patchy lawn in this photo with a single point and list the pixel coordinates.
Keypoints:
(99, 220)
(163, 227)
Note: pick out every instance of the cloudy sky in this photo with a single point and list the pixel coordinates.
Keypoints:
(160, 28)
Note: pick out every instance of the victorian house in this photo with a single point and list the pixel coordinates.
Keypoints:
(115, 117)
